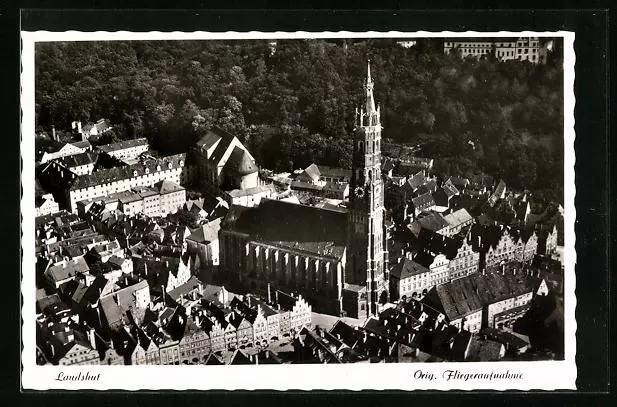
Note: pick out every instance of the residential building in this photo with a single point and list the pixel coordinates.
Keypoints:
(108, 181)
(65, 271)
(204, 241)
(504, 49)
(45, 204)
(91, 129)
(457, 220)
(250, 196)
(409, 279)
(66, 150)
(172, 196)
(80, 164)
(500, 298)
(126, 150)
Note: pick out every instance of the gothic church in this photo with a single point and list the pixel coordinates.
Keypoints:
(336, 259)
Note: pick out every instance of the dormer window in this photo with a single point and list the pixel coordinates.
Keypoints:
(181, 163)
(169, 166)
(147, 170)
(158, 167)
(135, 173)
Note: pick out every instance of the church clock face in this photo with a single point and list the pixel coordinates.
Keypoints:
(359, 192)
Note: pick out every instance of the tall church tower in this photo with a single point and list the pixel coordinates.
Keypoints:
(367, 244)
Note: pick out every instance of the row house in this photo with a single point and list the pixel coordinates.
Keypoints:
(107, 181)
(494, 300)
(466, 261)
(195, 344)
(127, 149)
(409, 279)
(80, 164)
(45, 204)
(547, 239)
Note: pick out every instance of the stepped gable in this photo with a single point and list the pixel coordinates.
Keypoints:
(299, 227)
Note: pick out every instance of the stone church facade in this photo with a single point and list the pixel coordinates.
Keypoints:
(324, 255)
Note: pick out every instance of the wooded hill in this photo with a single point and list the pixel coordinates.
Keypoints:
(293, 102)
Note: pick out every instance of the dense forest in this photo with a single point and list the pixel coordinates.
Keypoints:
(292, 102)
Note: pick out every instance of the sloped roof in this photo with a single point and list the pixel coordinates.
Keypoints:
(423, 200)
(123, 145)
(167, 187)
(68, 269)
(334, 172)
(240, 162)
(458, 217)
(408, 268)
(78, 160)
(105, 176)
(300, 227)
(312, 171)
(206, 233)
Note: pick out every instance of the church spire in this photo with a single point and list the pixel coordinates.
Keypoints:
(370, 101)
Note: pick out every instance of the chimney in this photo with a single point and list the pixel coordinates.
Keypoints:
(201, 289)
(53, 133)
(269, 295)
(79, 127)
(276, 296)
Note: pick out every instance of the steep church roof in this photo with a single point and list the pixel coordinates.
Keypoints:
(303, 228)
(240, 162)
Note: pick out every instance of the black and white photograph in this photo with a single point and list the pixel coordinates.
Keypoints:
(398, 201)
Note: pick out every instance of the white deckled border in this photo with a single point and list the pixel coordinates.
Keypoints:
(542, 375)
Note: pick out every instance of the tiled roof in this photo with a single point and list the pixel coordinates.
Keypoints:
(408, 268)
(458, 217)
(206, 233)
(105, 176)
(67, 269)
(416, 181)
(82, 144)
(334, 172)
(240, 162)
(432, 222)
(304, 228)
(167, 187)
(236, 193)
(423, 200)
(222, 147)
(79, 160)
(312, 171)
(126, 196)
(122, 145)
(469, 294)
(193, 283)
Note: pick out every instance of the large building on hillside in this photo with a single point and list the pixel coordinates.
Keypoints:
(532, 49)
(105, 182)
(337, 259)
(223, 162)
